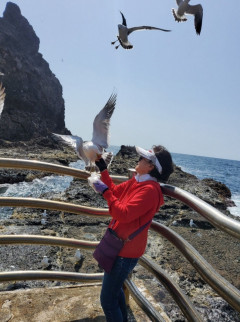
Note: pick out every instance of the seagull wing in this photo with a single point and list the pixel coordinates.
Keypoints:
(101, 123)
(197, 11)
(179, 2)
(79, 150)
(75, 142)
(145, 27)
(124, 22)
(66, 139)
(2, 98)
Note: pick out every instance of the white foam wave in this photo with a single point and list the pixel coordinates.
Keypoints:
(37, 187)
(235, 211)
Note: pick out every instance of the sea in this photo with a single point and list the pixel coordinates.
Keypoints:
(222, 170)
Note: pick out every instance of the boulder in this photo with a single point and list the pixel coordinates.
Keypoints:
(34, 106)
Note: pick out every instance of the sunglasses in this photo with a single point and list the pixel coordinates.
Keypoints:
(142, 158)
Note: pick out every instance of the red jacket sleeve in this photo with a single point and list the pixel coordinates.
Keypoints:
(116, 189)
(143, 201)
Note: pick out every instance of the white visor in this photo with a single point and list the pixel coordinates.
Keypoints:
(150, 156)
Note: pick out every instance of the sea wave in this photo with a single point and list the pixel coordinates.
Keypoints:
(37, 187)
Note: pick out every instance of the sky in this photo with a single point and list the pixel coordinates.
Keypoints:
(176, 89)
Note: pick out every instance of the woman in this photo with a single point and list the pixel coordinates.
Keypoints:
(131, 204)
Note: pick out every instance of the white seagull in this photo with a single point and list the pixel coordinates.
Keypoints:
(124, 31)
(44, 214)
(185, 8)
(78, 255)
(43, 221)
(45, 262)
(2, 98)
(192, 224)
(90, 151)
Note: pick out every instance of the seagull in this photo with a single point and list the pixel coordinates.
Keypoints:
(124, 31)
(90, 151)
(44, 214)
(185, 8)
(45, 262)
(2, 98)
(192, 224)
(78, 255)
(43, 221)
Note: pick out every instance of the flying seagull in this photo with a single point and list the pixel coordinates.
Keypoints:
(90, 151)
(124, 31)
(185, 8)
(2, 98)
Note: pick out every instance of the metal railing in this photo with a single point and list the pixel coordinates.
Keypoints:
(49, 167)
(214, 216)
(223, 222)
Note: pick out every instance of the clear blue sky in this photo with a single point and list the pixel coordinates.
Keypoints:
(176, 89)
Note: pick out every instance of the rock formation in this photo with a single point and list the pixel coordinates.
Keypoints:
(34, 106)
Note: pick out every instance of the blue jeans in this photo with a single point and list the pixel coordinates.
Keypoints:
(112, 295)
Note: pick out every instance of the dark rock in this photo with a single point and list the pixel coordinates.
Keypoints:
(32, 90)
(220, 187)
(127, 151)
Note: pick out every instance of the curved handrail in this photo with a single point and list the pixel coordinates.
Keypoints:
(47, 240)
(225, 289)
(53, 205)
(144, 304)
(50, 167)
(49, 275)
(76, 277)
(213, 215)
(218, 219)
(180, 298)
(216, 281)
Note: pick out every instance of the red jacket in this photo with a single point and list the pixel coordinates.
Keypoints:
(132, 204)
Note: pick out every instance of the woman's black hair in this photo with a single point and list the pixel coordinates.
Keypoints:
(165, 159)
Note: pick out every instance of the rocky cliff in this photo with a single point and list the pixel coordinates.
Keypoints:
(34, 106)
